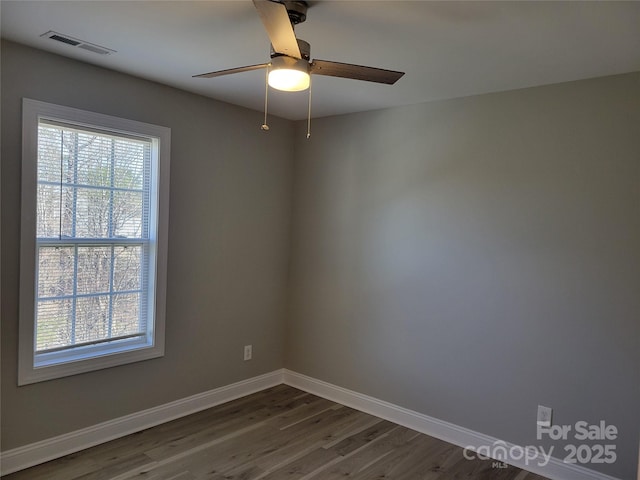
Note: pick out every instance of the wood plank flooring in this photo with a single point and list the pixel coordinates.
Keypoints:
(279, 433)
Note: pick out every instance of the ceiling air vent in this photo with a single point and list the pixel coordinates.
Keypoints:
(75, 42)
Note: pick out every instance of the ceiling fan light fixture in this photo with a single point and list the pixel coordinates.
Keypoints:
(289, 74)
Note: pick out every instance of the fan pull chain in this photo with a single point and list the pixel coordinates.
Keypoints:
(264, 126)
(309, 112)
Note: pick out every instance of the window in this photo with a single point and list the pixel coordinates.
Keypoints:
(94, 230)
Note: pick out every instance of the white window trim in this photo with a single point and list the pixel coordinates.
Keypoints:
(126, 352)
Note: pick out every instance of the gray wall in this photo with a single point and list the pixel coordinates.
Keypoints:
(228, 246)
(473, 258)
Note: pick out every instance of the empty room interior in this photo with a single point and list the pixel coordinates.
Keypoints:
(419, 260)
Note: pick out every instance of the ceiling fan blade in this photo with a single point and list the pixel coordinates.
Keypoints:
(357, 72)
(219, 73)
(276, 22)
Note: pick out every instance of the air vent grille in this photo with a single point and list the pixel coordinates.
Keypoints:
(94, 49)
(75, 42)
(62, 39)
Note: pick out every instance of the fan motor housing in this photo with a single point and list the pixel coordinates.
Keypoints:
(297, 10)
(305, 50)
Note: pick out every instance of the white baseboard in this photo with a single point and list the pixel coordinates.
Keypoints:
(555, 469)
(45, 450)
(49, 449)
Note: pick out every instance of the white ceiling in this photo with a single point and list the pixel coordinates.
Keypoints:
(447, 49)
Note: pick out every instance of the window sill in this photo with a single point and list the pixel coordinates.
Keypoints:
(46, 369)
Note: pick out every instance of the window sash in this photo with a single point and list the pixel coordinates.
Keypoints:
(145, 323)
(84, 168)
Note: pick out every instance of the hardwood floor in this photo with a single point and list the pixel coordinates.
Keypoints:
(279, 433)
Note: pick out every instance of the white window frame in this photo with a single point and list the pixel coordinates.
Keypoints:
(34, 368)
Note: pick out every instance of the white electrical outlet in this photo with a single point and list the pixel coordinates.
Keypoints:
(544, 416)
(248, 352)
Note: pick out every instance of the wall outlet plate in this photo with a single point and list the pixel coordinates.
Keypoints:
(544, 416)
(248, 352)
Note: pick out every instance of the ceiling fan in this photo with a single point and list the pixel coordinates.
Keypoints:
(290, 66)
